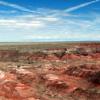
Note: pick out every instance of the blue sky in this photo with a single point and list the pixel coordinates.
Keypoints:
(49, 20)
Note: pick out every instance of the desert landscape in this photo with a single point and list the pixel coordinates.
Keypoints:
(50, 71)
(49, 49)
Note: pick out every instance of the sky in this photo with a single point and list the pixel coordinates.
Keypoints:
(49, 20)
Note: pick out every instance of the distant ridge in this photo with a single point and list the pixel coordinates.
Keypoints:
(51, 42)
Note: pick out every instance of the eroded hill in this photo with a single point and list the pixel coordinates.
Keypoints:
(71, 72)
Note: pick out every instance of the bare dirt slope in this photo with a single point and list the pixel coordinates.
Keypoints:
(58, 72)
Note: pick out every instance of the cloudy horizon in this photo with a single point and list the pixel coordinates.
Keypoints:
(47, 20)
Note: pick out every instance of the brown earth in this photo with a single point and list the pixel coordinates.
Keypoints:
(65, 73)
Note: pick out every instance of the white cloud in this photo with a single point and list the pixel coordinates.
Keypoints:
(54, 28)
(81, 6)
(7, 12)
(15, 6)
(20, 24)
(52, 24)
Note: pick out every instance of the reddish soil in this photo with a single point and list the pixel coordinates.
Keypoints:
(71, 73)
